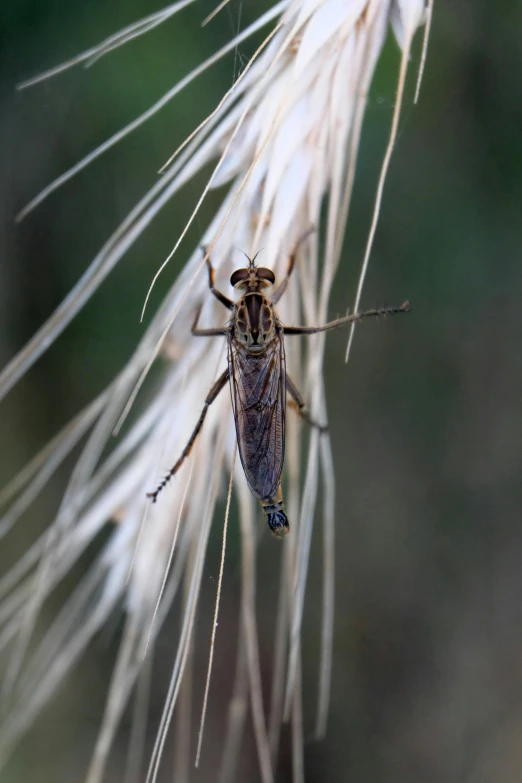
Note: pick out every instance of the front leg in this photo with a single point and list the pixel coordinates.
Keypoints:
(290, 266)
(219, 296)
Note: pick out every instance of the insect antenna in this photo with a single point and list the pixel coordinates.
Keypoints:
(251, 261)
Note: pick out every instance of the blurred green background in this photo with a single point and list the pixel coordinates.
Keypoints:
(426, 418)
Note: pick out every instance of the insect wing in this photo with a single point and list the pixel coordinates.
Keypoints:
(258, 389)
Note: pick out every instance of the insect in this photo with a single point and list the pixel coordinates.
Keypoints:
(259, 382)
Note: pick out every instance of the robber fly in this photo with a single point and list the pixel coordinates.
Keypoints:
(259, 382)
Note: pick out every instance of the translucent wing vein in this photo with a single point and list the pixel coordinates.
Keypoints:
(258, 389)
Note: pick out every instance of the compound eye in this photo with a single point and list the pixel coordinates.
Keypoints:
(266, 274)
(239, 276)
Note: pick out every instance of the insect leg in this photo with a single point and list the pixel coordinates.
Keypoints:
(219, 296)
(211, 396)
(299, 404)
(206, 332)
(404, 308)
(289, 269)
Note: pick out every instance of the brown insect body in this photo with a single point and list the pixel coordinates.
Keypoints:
(259, 383)
(257, 372)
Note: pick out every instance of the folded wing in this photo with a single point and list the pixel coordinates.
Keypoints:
(258, 389)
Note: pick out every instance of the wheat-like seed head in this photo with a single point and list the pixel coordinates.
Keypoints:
(284, 139)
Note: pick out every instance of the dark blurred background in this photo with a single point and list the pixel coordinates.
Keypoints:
(427, 680)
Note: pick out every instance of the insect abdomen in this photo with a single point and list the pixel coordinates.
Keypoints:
(276, 517)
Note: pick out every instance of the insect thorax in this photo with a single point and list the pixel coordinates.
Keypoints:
(254, 326)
